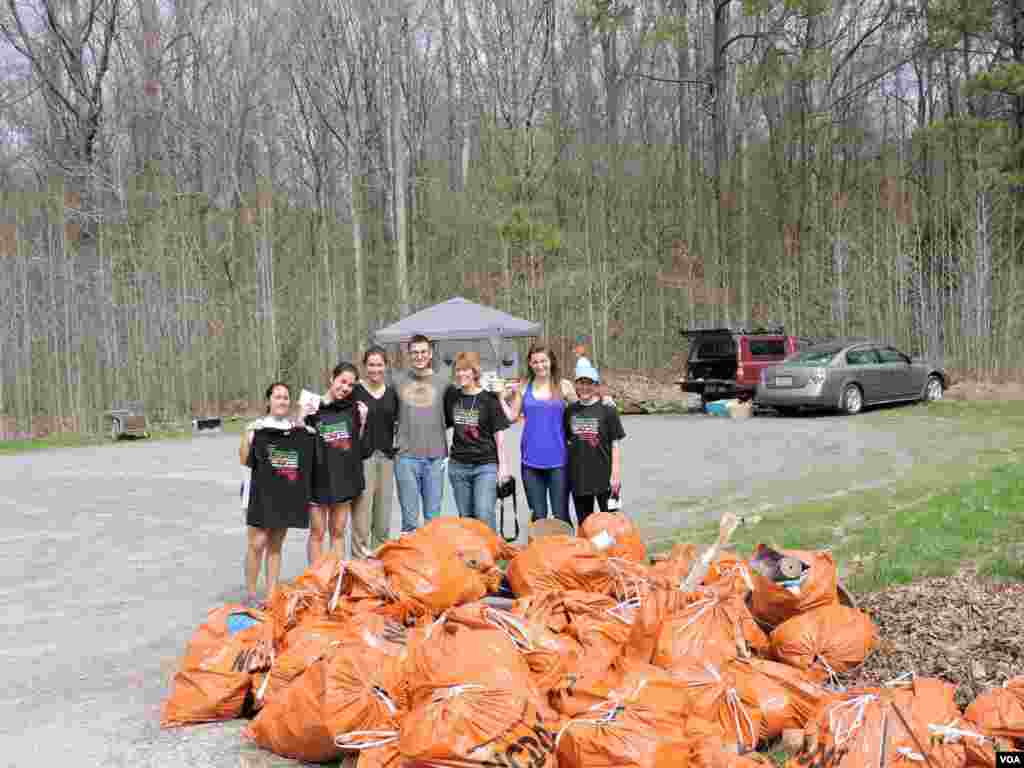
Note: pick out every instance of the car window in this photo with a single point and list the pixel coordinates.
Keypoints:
(890, 355)
(862, 356)
(720, 347)
(767, 347)
(813, 357)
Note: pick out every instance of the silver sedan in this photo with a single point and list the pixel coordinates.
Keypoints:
(847, 376)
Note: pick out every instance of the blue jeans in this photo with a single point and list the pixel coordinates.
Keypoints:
(475, 489)
(418, 479)
(539, 484)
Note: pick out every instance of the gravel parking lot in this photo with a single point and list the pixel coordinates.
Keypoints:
(111, 556)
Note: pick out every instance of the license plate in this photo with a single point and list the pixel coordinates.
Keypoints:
(783, 381)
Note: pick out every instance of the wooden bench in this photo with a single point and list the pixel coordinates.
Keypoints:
(128, 419)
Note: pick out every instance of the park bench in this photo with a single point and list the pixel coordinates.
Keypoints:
(128, 419)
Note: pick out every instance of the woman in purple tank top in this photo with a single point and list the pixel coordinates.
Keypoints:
(543, 446)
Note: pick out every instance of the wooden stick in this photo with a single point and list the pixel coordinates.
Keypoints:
(726, 527)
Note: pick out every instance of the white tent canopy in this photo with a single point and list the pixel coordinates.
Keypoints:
(460, 320)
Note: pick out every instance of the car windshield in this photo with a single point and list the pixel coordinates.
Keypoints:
(813, 357)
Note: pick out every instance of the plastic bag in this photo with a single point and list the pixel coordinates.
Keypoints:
(215, 676)
(302, 646)
(558, 563)
(773, 603)
(1000, 711)
(828, 640)
(674, 568)
(332, 704)
(714, 628)
(628, 543)
(703, 748)
(626, 681)
(711, 694)
(617, 735)
(786, 696)
(466, 531)
(428, 571)
(472, 724)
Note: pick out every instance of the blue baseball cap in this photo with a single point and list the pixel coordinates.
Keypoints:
(586, 370)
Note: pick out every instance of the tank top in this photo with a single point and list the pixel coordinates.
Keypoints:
(543, 441)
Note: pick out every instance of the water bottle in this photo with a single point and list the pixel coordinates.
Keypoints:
(615, 501)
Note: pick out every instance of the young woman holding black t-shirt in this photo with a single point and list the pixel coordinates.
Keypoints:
(476, 462)
(284, 459)
(371, 510)
(341, 423)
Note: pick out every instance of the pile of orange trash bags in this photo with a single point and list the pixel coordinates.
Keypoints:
(602, 660)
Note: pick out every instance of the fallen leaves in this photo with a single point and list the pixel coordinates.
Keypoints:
(959, 628)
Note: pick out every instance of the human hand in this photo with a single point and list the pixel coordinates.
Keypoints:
(616, 484)
(363, 411)
(607, 400)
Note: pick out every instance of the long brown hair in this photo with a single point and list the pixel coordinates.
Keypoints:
(555, 373)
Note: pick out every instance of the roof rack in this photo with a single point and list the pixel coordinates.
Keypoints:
(746, 330)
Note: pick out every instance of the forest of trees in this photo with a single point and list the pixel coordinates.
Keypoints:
(198, 196)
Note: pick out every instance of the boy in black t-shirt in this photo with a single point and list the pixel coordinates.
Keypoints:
(594, 431)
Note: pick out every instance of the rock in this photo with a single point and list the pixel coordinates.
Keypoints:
(978, 670)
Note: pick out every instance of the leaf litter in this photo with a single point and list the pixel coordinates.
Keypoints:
(961, 628)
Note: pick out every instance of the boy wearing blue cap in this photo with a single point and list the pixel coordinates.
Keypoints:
(594, 431)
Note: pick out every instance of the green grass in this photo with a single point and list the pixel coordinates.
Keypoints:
(78, 440)
(937, 517)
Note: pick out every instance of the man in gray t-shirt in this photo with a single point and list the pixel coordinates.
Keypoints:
(421, 436)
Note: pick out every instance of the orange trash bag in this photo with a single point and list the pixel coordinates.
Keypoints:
(557, 563)
(828, 640)
(715, 628)
(674, 568)
(332, 705)
(467, 531)
(711, 694)
(626, 681)
(602, 637)
(429, 572)
(617, 735)
(621, 536)
(703, 748)
(215, 676)
(786, 696)
(1000, 711)
(446, 654)
(773, 603)
(556, 610)
(290, 604)
(658, 605)
(472, 724)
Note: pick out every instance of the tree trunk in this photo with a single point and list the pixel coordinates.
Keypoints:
(400, 177)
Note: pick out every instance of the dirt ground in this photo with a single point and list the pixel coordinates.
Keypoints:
(110, 558)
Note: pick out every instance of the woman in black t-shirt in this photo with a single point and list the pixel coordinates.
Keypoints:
(371, 510)
(340, 422)
(476, 462)
(283, 457)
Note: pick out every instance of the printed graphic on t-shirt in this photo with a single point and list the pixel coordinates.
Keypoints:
(285, 462)
(336, 434)
(469, 420)
(418, 393)
(587, 429)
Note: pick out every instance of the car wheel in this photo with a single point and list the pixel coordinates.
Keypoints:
(786, 411)
(853, 400)
(933, 389)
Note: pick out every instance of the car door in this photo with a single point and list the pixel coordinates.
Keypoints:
(897, 374)
(863, 367)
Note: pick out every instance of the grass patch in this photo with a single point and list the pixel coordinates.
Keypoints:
(234, 425)
(930, 522)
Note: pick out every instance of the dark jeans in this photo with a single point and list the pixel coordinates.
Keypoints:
(539, 485)
(585, 504)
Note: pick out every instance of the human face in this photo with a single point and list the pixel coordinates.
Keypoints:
(465, 378)
(280, 402)
(342, 385)
(375, 369)
(421, 355)
(585, 389)
(540, 364)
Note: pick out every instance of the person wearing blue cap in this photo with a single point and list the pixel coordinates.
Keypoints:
(594, 432)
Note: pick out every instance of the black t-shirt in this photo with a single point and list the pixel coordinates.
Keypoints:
(338, 424)
(382, 413)
(285, 469)
(590, 431)
(474, 419)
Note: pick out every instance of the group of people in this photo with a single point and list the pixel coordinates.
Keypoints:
(327, 462)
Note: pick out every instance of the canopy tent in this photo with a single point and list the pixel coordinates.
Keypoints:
(459, 320)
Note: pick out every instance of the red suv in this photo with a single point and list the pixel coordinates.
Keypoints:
(727, 362)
